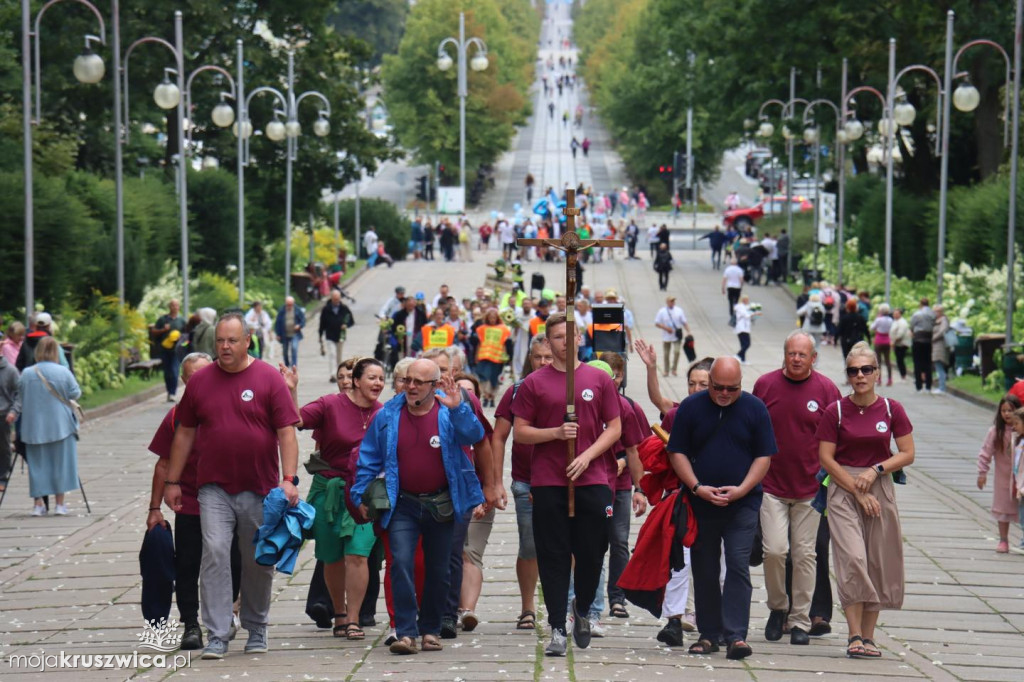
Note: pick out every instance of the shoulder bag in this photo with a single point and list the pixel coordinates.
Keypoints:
(76, 409)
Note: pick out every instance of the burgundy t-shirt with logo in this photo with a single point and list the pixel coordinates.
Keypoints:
(796, 408)
(484, 422)
(338, 427)
(420, 466)
(863, 440)
(238, 415)
(521, 454)
(541, 401)
(161, 447)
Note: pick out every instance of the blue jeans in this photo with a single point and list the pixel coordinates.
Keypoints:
(459, 530)
(597, 606)
(290, 350)
(169, 364)
(618, 544)
(723, 612)
(409, 522)
(524, 520)
(940, 370)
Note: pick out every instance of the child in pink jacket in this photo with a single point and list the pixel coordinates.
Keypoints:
(997, 453)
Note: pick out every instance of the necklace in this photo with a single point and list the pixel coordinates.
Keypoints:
(366, 413)
(860, 407)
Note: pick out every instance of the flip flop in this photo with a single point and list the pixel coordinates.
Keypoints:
(430, 643)
(404, 646)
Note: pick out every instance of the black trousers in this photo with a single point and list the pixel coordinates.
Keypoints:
(821, 601)
(560, 539)
(901, 360)
(318, 593)
(723, 613)
(663, 280)
(188, 556)
(733, 297)
(922, 364)
(631, 247)
(5, 450)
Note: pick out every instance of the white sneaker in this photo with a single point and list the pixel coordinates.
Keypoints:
(596, 629)
(938, 391)
(60, 510)
(39, 510)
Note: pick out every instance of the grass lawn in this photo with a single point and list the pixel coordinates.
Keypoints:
(971, 383)
(132, 385)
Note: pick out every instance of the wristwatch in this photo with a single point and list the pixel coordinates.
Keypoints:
(880, 469)
(294, 480)
(694, 488)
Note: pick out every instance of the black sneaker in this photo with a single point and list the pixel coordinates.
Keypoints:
(321, 615)
(367, 621)
(798, 636)
(448, 628)
(672, 633)
(773, 630)
(580, 627)
(193, 637)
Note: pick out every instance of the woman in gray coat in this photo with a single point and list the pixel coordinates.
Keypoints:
(940, 352)
(49, 427)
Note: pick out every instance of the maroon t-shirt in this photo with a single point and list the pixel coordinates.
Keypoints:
(479, 412)
(420, 467)
(238, 415)
(796, 408)
(161, 447)
(863, 440)
(338, 427)
(670, 416)
(634, 429)
(541, 401)
(521, 453)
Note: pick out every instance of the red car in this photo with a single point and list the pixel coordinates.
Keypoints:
(744, 217)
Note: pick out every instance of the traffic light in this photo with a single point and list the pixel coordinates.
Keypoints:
(665, 171)
(422, 188)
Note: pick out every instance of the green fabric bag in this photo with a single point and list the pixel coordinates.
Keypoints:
(376, 499)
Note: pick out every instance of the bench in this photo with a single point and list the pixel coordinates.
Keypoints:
(145, 367)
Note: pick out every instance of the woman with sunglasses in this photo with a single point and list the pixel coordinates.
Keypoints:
(854, 439)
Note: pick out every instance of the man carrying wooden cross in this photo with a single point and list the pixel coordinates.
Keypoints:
(572, 494)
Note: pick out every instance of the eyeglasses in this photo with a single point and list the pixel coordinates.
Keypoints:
(416, 383)
(401, 380)
(866, 370)
(721, 388)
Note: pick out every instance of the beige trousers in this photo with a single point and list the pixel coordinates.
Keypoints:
(789, 526)
(333, 352)
(867, 553)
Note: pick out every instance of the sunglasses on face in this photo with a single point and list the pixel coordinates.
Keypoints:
(722, 388)
(866, 370)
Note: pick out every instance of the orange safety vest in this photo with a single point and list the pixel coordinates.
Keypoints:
(438, 337)
(492, 342)
(537, 326)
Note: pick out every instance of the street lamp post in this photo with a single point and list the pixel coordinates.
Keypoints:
(812, 135)
(477, 63)
(1011, 228)
(276, 131)
(88, 68)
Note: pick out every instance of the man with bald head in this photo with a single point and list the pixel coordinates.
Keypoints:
(720, 446)
(288, 329)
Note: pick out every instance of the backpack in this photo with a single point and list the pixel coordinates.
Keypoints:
(183, 346)
(817, 316)
(950, 337)
(829, 302)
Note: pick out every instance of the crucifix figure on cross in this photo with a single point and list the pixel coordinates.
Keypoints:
(571, 244)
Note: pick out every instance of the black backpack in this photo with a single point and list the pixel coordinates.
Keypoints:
(817, 316)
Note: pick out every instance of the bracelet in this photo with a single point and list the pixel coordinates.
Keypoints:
(178, 483)
(154, 509)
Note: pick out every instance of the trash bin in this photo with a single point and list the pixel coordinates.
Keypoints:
(987, 344)
(964, 352)
(1013, 364)
(811, 276)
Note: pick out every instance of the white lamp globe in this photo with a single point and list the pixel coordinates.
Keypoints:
(766, 129)
(841, 136)
(748, 123)
(210, 162)
(875, 154)
(897, 155)
(89, 68)
(904, 113)
(166, 95)
(966, 97)
(787, 133)
(275, 131)
(293, 128)
(444, 62)
(478, 63)
(810, 135)
(321, 127)
(854, 129)
(246, 129)
(883, 126)
(223, 115)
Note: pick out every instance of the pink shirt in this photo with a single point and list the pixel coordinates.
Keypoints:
(420, 467)
(338, 427)
(863, 440)
(161, 447)
(541, 402)
(521, 454)
(10, 351)
(796, 408)
(238, 415)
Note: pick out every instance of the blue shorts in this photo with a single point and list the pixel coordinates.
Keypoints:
(524, 519)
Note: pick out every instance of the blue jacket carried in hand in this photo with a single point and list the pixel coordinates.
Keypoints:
(379, 452)
(279, 539)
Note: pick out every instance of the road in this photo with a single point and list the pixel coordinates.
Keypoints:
(71, 584)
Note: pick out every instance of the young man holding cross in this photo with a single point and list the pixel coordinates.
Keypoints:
(571, 504)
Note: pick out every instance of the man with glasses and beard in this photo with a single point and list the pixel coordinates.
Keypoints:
(720, 446)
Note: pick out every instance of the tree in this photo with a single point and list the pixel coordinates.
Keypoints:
(380, 23)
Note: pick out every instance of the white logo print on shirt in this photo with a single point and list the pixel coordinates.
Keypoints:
(587, 394)
(435, 441)
(812, 405)
(247, 395)
(881, 427)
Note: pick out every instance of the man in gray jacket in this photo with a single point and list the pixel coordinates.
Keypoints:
(10, 407)
(921, 324)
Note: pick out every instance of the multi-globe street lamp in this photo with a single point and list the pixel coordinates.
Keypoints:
(479, 62)
(276, 131)
(812, 136)
(88, 68)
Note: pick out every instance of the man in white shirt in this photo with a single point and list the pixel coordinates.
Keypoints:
(671, 320)
(732, 284)
(393, 305)
(652, 240)
(508, 237)
(259, 324)
(370, 245)
(772, 246)
(441, 295)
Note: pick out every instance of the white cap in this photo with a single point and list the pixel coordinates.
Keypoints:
(44, 319)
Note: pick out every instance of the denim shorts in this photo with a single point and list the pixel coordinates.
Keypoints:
(524, 519)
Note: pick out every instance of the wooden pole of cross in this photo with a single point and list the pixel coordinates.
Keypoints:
(571, 244)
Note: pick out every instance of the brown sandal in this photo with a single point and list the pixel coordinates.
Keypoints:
(354, 633)
(404, 646)
(430, 643)
(703, 647)
(527, 621)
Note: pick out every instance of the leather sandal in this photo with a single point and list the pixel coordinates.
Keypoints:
(431, 643)
(856, 650)
(353, 632)
(871, 649)
(738, 650)
(703, 647)
(404, 646)
(527, 621)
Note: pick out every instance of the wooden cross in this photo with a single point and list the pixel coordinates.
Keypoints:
(571, 244)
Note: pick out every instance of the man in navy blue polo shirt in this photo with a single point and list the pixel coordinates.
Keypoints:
(720, 448)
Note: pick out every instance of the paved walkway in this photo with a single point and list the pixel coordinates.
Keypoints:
(71, 584)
